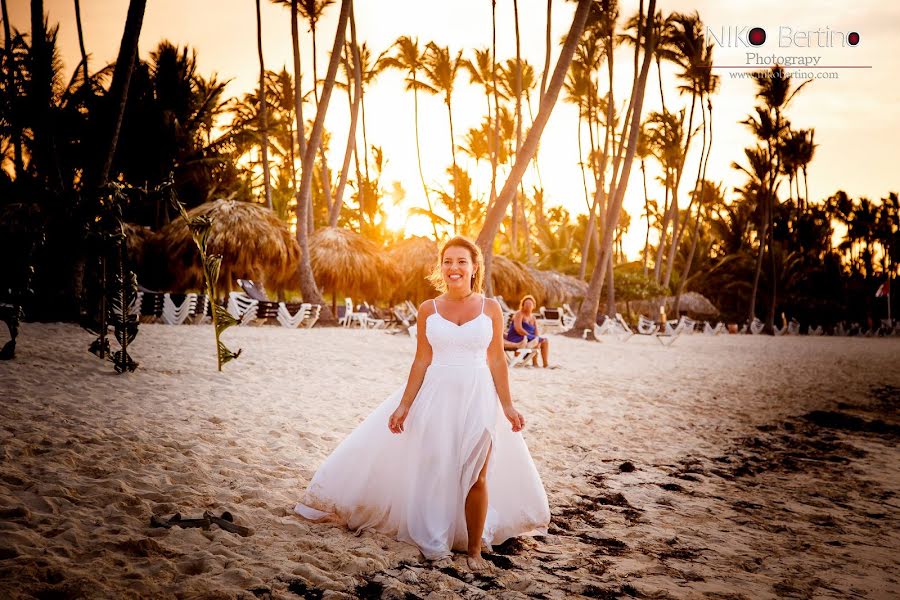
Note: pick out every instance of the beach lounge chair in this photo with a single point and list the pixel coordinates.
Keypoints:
(569, 316)
(253, 305)
(670, 333)
(646, 326)
(517, 355)
(359, 316)
(690, 325)
(757, 326)
(710, 330)
(614, 327)
(178, 307)
(551, 319)
(148, 304)
(374, 317)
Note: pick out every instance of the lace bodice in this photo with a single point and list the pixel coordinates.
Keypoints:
(459, 345)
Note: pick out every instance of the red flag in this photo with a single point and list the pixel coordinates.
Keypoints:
(884, 289)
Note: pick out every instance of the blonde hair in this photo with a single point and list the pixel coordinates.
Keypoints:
(527, 297)
(437, 278)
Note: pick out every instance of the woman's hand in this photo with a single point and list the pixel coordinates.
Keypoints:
(514, 417)
(395, 423)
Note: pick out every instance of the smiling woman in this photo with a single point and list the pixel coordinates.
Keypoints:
(435, 464)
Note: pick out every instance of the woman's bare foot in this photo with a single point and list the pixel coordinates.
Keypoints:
(442, 562)
(477, 563)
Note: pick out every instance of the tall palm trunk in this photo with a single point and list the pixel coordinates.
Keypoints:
(308, 286)
(673, 209)
(587, 313)
(325, 176)
(686, 271)
(644, 269)
(9, 69)
(529, 147)
(351, 135)
(263, 112)
(600, 180)
(495, 144)
(84, 58)
(518, 90)
(118, 88)
(298, 90)
(419, 158)
(455, 178)
(548, 43)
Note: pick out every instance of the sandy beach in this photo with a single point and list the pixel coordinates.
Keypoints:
(722, 467)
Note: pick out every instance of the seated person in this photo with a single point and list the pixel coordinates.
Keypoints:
(523, 329)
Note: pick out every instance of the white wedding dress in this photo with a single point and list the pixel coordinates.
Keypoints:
(413, 485)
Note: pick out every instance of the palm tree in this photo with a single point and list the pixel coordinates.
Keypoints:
(370, 69)
(483, 71)
(688, 51)
(495, 214)
(579, 89)
(709, 195)
(118, 90)
(805, 156)
(587, 313)
(11, 91)
(707, 83)
(312, 11)
(441, 69)
(84, 58)
(263, 117)
(335, 210)
(518, 95)
(298, 94)
(664, 138)
(546, 53)
(643, 151)
(496, 138)
(774, 91)
(408, 58)
(308, 286)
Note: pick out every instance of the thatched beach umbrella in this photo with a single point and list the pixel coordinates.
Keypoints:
(558, 288)
(414, 258)
(696, 305)
(513, 280)
(693, 304)
(254, 244)
(346, 263)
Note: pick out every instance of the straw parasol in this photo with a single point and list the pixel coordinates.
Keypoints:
(696, 304)
(254, 244)
(414, 258)
(346, 263)
(558, 288)
(513, 280)
(692, 304)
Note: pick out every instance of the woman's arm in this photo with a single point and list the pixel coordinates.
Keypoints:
(497, 364)
(416, 371)
(517, 323)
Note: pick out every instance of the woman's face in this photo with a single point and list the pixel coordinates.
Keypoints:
(528, 306)
(457, 269)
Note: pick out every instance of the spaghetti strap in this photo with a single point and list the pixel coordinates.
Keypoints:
(483, 298)
(434, 302)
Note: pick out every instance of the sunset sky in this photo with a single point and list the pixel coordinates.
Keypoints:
(855, 115)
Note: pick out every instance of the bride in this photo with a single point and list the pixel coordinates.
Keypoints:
(435, 464)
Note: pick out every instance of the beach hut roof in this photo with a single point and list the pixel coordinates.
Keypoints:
(349, 264)
(254, 244)
(414, 258)
(513, 280)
